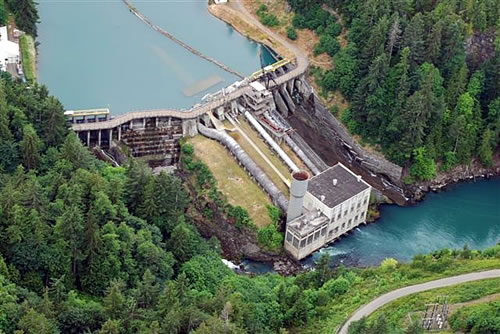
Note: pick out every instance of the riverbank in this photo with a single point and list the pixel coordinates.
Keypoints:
(28, 55)
(242, 25)
(416, 192)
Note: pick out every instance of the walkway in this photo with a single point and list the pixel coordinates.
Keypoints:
(393, 295)
(301, 62)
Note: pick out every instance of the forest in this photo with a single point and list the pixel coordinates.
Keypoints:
(25, 14)
(421, 77)
(90, 248)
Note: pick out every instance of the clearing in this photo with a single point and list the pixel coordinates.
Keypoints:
(232, 180)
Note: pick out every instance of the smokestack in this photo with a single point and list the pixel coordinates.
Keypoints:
(334, 182)
(298, 189)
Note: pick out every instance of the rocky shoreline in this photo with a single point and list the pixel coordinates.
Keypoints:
(462, 173)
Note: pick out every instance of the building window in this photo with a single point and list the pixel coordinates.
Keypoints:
(363, 214)
(309, 239)
(295, 242)
(333, 218)
(352, 208)
(359, 204)
(364, 201)
(323, 231)
(356, 218)
(339, 216)
(303, 243)
(343, 226)
(289, 237)
(336, 230)
(330, 233)
(316, 235)
(345, 213)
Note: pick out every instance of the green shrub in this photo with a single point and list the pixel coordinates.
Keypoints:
(291, 33)
(299, 21)
(337, 287)
(388, 264)
(240, 217)
(480, 318)
(265, 18)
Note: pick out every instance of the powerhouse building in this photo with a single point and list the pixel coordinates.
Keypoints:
(324, 207)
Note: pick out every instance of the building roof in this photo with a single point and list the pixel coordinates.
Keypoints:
(8, 49)
(257, 86)
(308, 222)
(347, 185)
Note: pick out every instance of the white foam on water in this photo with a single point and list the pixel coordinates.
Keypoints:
(229, 264)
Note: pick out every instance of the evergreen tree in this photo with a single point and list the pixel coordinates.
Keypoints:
(3, 13)
(414, 39)
(69, 227)
(114, 301)
(486, 147)
(53, 122)
(26, 15)
(30, 147)
(4, 119)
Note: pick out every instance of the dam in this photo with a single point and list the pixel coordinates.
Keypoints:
(135, 85)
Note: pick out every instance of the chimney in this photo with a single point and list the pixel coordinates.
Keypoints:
(298, 189)
(359, 178)
(322, 198)
(334, 182)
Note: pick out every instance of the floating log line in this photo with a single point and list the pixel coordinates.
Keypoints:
(144, 19)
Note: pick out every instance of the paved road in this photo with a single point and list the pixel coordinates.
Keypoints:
(372, 306)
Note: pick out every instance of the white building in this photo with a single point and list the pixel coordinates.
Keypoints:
(9, 51)
(323, 208)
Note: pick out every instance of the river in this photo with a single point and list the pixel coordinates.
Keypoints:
(465, 213)
(97, 54)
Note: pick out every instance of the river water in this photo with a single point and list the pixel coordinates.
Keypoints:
(466, 213)
(96, 54)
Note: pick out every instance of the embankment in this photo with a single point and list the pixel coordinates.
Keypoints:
(239, 23)
(28, 54)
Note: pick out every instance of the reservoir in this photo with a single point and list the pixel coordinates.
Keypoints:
(96, 54)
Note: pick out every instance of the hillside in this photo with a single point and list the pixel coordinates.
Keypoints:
(421, 80)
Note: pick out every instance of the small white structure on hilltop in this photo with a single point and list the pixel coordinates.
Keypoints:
(324, 207)
(9, 51)
(220, 1)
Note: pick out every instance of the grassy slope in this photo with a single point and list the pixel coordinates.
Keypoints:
(232, 180)
(397, 312)
(377, 282)
(28, 54)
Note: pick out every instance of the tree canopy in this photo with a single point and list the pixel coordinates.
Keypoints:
(413, 75)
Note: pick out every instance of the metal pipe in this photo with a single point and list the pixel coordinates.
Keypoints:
(271, 142)
(262, 179)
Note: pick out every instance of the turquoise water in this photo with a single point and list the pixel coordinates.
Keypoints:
(96, 53)
(467, 213)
